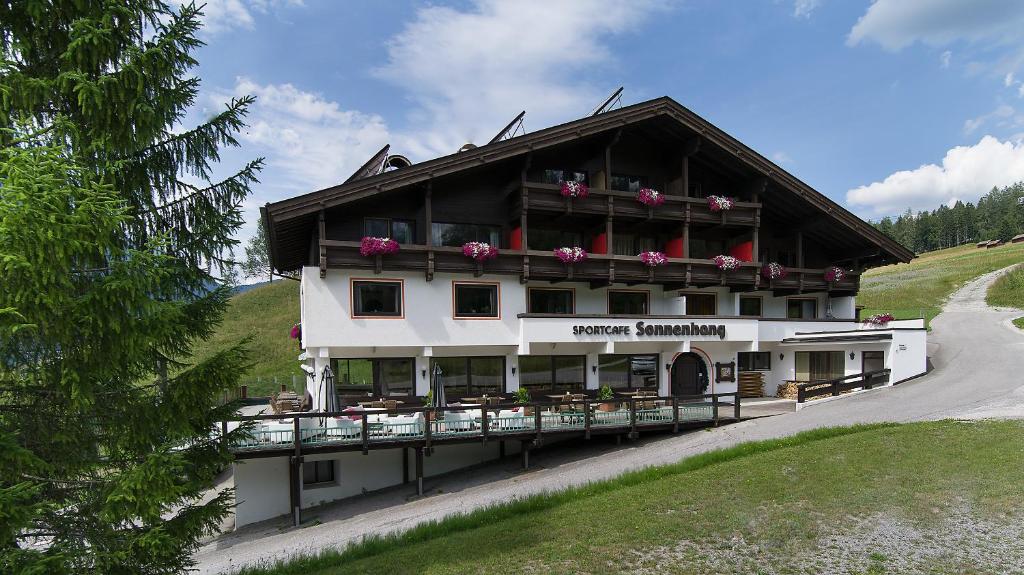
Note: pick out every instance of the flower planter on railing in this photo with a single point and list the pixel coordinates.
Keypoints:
(721, 203)
(479, 252)
(879, 319)
(375, 247)
(834, 274)
(570, 257)
(650, 197)
(773, 271)
(575, 190)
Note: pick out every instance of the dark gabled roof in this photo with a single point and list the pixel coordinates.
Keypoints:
(304, 206)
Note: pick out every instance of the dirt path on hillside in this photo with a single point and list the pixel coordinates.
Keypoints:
(977, 359)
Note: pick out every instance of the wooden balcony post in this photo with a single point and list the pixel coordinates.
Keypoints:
(675, 414)
(483, 421)
(714, 409)
(586, 419)
(736, 415)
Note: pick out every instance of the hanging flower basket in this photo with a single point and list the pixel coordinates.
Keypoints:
(834, 274)
(571, 255)
(773, 271)
(653, 259)
(879, 319)
(371, 246)
(721, 203)
(575, 189)
(727, 263)
(650, 197)
(479, 251)
(296, 331)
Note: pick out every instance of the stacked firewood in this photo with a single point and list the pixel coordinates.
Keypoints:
(787, 390)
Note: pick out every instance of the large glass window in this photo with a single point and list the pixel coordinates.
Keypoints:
(701, 304)
(558, 176)
(754, 361)
(402, 231)
(552, 374)
(801, 308)
(628, 183)
(374, 377)
(750, 305)
(473, 300)
(545, 240)
(818, 365)
(314, 472)
(631, 245)
(444, 234)
(470, 376)
(628, 371)
(628, 302)
(376, 298)
(545, 300)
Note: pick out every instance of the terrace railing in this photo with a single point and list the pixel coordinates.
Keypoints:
(424, 426)
(835, 387)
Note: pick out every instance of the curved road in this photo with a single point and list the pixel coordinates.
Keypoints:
(977, 357)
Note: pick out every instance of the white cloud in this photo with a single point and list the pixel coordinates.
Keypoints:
(804, 8)
(895, 24)
(221, 16)
(781, 157)
(966, 173)
(1001, 113)
(469, 71)
(1008, 79)
(310, 142)
(945, 58)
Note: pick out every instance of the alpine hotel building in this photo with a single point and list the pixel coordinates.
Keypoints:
(528, 317)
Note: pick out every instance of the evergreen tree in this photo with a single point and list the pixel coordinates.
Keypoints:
(107, 253)
(257, 256)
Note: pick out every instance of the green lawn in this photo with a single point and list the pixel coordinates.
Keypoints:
(266, 313)
(841, 500)
(1008, 291)
(920, 287)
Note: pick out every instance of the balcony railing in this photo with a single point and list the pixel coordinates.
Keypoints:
(599, 269)
(548, 197)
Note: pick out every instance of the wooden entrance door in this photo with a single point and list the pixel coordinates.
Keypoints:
(689, 375)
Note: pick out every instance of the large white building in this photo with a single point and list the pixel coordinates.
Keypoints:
(390, 326)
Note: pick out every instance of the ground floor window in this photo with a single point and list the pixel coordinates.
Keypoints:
(552, 374)
(314, 472)
(872, 361)
(754, 360)
(816, 365)
(374, 377)
(628, 371)
(470, 376)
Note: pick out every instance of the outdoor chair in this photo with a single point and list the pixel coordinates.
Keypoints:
(342, 427)
(458, 421)
(514, 418)
(405, 424)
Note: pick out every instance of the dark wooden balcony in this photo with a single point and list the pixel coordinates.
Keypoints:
(624, 205)
(598, 269)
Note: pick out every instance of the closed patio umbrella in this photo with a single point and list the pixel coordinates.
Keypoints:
(330, 401)
(437, 387)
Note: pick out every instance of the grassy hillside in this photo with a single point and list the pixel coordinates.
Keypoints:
(920, 287)
(1008, 291)
(267, 313)
(871, 500)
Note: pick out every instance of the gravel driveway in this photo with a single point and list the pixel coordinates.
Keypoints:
(977, 358)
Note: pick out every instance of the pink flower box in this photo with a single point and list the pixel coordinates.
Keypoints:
(773, 271)
(479, 251)
(653, 259)
(571, 255)
(879, 319)
(371, 246)
(720, 203)
(650, 197)
(726, 263)
(835, 274)
(575, 190)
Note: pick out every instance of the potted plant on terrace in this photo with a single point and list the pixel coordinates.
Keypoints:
(522, 397)
(606, 394)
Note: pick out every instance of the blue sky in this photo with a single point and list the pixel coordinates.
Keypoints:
(880, 105)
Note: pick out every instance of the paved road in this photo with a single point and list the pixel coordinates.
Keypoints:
(977, 358)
